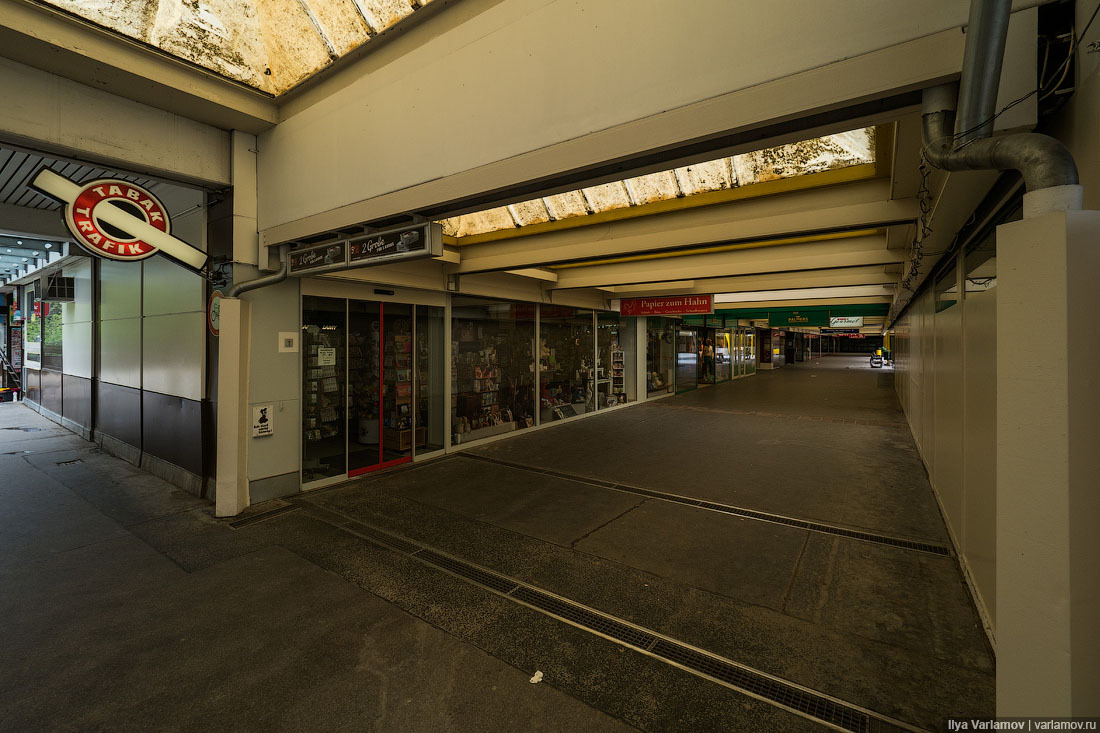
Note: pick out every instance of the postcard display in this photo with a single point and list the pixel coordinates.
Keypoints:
(492, 377)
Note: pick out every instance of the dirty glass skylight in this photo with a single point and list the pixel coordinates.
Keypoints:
(268, 44)
(831, 152)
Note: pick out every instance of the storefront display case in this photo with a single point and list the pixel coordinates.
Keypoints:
(615, 359)
(492, 367)
(323, 388)
(567, 374)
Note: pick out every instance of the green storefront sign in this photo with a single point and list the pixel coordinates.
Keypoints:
(798, 318)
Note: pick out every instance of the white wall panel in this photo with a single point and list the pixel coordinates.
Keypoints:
(119, 289)
(171, 288)
(948, 421)
(173, 350)
(80, 309)
(281, 452)
(120, 352)
(76, 355)
(274, 376)
(980, 459)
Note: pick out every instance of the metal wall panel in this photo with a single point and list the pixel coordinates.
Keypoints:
(51, 391)
(118, 412)
(172, 348)
(172, 430)
(77, 405)
(120, 352)
(76, 339)
(119, 290)
(171, 288)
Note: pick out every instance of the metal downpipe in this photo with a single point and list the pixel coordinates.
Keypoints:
(986, 34)
(262, 282)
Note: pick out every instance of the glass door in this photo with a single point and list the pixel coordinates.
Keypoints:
(687, 360)
(397, 385)
(364, 384)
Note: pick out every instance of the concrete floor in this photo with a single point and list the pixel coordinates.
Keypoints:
(127, 605)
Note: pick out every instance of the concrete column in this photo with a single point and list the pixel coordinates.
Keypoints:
(1048, 465)
(231, 497)
(245, 238)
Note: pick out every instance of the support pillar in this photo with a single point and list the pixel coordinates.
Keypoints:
(231, 488)
(1048, 465)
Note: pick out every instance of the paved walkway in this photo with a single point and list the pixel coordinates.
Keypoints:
(782, 522)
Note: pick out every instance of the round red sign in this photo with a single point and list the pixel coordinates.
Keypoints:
(86, 213)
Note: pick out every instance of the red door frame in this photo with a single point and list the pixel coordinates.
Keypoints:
(381, 391)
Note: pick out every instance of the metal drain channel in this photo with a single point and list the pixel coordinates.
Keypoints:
(800, 700)
(879, 539)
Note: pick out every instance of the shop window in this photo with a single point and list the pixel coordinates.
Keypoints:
(430, 367)
(566, 353)
(51, 335)
(323, 378)
(615, 360)
(492, 367)
(660, 355)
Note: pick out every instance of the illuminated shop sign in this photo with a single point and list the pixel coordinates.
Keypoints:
(798, 318)
(846, 321)
(404, 243)
(116, 219)
(669, 305)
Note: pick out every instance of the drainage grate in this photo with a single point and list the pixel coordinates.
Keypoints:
(584, 617)
(262, 516)
(737, 511)
(470, 572)
(789, 696)
(744, 679)
(73, 462)
(26, 430)
(385, 538)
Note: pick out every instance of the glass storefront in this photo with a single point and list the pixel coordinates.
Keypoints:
(660, 355)
(364, 404)
(375, 376)
(566, 374)
(492, 367)
(687, 359)
(615, 349)
(723, 355)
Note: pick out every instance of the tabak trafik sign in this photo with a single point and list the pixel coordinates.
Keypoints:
(669, 305)
(377, 248)
(116, 219)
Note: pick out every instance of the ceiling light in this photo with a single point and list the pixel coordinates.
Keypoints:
(24, 259)
(48, 245)
(35, 254)
(19, 241)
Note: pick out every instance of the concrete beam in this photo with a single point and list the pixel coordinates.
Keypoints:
(831, 277)
(43, 37)
(853, 251)
(62, 117)
(536, 273)
(19, 221)
(853, 206)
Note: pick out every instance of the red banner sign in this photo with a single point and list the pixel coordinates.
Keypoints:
(668, 305)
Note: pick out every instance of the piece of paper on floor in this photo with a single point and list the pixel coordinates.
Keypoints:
(537, 678)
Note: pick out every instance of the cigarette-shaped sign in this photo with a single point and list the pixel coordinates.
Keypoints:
(116, 219)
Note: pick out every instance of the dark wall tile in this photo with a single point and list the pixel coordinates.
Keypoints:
(77, 405)
(32, 386)
(173, 430)
(118, 412)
